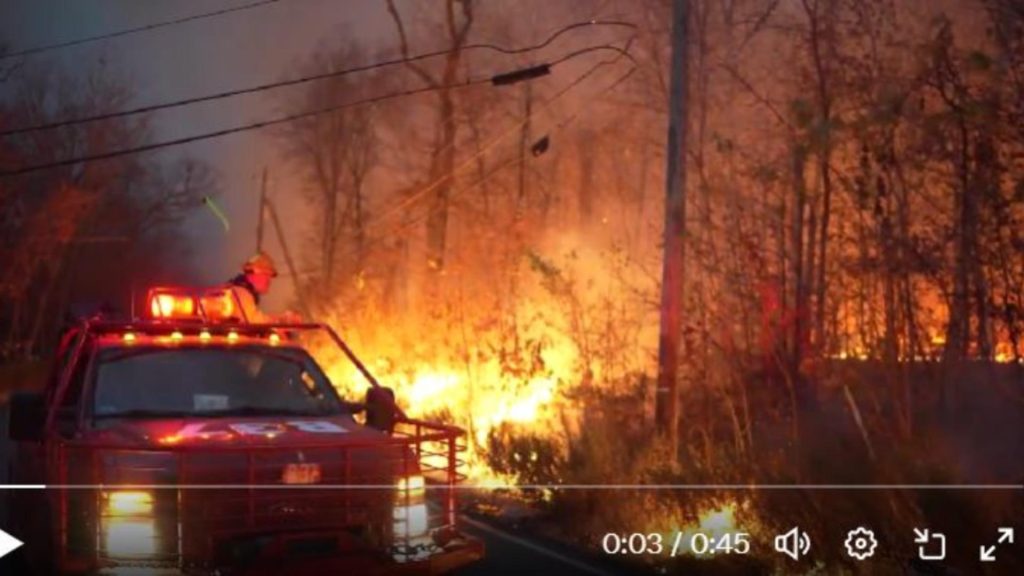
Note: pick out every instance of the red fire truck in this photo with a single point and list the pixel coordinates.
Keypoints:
(195, 442)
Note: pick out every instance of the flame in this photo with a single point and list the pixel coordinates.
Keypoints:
(499, 368)
(480, 399)
(504, 366)
(1004, 353)
(714, 519)
(713, 522)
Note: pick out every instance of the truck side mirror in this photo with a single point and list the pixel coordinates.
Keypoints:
(27, 413)
(381, 409)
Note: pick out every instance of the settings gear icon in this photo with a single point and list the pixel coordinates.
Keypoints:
(861, 543)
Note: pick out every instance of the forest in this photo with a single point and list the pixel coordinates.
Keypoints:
(853, 255)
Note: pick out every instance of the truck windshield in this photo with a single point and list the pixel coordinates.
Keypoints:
(210, 382)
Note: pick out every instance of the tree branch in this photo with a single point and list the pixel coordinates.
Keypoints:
(404, 45)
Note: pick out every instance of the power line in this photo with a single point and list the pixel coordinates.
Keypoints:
(146, 28)
(233, 130)
(314, 77)
(406, 226)
(515, 161)
(407, 201)
(262, 124)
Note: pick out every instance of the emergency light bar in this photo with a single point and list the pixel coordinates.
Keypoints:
(201, 305)
(172, 306)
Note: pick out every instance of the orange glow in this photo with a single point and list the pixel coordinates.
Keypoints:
(491, 396)
(129, 337)
(301, 474)
(163, 305)
(232, 337)
(501, 368)
(275, 339)
(219, 304)
(713, 519)
(128, 503)
(413, 484)
(713, 522)
(1004, 353)
(204, 336)
(170, 439)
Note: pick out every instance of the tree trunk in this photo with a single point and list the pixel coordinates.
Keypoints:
(957, 332)
(667, 399)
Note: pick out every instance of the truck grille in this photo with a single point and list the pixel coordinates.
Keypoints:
(232, 505)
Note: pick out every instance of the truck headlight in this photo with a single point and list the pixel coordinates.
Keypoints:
(411, 519)
(415, 485)
(130, 526)
(128, 503)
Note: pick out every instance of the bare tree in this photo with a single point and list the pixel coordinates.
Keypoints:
(442, 162)
(73, 232)
(335, 154)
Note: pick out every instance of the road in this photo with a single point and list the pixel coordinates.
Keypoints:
(511, 553)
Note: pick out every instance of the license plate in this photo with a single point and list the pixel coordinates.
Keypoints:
(301, 474)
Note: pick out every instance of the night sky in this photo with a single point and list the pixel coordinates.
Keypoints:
(205, 56)
(246, 48)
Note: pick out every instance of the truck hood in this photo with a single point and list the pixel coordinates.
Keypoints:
(269, 431)
(239, 450)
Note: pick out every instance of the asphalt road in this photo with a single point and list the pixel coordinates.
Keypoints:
(513, 553)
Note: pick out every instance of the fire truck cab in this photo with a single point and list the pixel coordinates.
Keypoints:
(194, 442)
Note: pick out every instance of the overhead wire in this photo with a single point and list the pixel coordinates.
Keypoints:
(235, 129)
(408, 200)
(315, 77)
(405, 227)
(136, 30)
(517, 160)
(265, 123)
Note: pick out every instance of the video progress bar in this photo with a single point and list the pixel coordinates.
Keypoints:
(506, 486)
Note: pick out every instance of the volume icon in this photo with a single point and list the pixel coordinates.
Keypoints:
(795, 543)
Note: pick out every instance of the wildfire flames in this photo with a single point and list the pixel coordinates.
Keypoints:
(498, 366)
(714, 519)
(480, 394)
(715, 522)
(478, 405)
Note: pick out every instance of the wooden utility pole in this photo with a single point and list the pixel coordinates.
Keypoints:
(300, 290)
(667, 396)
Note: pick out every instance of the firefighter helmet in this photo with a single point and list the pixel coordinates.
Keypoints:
(260, 263)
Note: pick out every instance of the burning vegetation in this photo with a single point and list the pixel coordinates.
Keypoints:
(854, 265)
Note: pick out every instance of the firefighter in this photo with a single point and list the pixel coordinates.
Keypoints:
(257, 274)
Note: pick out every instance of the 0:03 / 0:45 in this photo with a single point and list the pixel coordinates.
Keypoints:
(682, 543)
